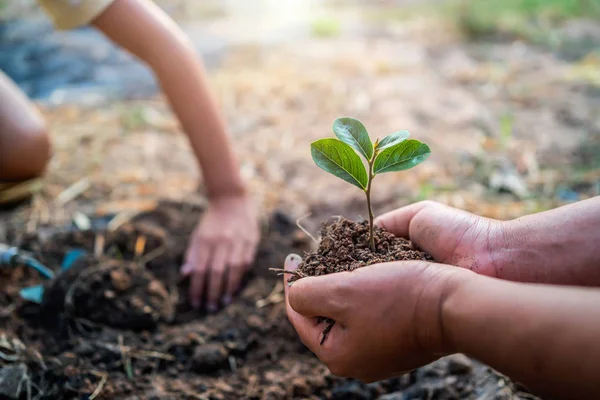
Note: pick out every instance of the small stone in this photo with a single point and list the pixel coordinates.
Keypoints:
(255, 322)
(434, 370)
(210, 357)
(459, 364)
(120, 280)
(11, 378)
(157, 288)
(392, 396)
(351, 390)
(147, 310)
(274, 393)
(300, 388)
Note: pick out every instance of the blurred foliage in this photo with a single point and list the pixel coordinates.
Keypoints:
(529, 19)
(326, 27)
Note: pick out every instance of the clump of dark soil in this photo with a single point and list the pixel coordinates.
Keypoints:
(344, 246)
(106, 328)
(114, 293)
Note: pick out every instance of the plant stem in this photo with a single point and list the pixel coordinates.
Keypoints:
(371, 216)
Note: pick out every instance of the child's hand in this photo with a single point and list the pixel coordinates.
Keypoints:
(220, 251)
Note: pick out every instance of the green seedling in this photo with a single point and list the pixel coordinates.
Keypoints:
(395, 152)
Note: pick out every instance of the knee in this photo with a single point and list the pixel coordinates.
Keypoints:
(27, 151)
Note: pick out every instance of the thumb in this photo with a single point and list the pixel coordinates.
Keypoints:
(398, 221)
(291, 263)
(318, 296)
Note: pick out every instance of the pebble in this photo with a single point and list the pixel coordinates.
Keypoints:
(459, 364)
(351, 390)
(392, 396)
(210, 357)
(10, 380)
(300, 387)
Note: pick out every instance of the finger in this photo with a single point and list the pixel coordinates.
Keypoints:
(250, 253)
(236, 268)
(216, 276)
(321, 296)
(398, 221)
(306, 328)
(309, 331)
(189, 260)
(291, 263)
(201, 255)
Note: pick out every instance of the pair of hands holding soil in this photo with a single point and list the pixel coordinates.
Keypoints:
(394, 317)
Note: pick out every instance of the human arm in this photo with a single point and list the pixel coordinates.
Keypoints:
(558, 246)
(224, 242)
(394, 317)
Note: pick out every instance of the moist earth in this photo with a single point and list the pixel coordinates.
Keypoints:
(117, 324)
(344, 246)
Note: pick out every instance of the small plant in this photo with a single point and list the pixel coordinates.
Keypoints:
(395, 152)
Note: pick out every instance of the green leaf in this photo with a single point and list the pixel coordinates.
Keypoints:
(339, 159)
(402, 156)
(352, 132)
(393, 139)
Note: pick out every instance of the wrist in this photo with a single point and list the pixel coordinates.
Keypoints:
(231, 189)
(432, 329)
(516, 253)
(457, 288)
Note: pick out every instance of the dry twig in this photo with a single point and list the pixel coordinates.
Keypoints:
(304, 229)
(103, 378)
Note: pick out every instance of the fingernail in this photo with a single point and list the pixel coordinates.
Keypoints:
(292, 261)
(227, 299)
(196, 304)
(211, 307)
(186, 269)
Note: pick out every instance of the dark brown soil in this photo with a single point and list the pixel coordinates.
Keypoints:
(107, 329)
(114, 293)
(344, 246)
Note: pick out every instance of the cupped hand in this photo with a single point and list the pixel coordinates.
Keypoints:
(221, 250)
(387, 316)
(450, 235)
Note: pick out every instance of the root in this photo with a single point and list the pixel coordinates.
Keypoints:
(99, 242)
(304, 229)
(159, 251)
(288, 271)
(103, 378)
(134, 353)
(276, 296)
(330, 324)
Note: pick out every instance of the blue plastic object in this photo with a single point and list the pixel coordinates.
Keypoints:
(71, 257)
(11, 256)
(34, 294)
(39, 267)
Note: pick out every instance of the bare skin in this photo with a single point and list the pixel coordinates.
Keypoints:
(535, 248)
(394, 317)
(223, 245)
(24, 142)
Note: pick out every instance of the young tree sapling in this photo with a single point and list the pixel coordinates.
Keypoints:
(395, 152)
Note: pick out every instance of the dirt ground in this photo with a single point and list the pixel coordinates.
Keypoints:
(514, 129)
(117, 325)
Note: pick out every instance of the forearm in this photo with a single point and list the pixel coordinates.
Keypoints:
(558, 246)
(185, 86)
(144, 30)
(543, 336)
